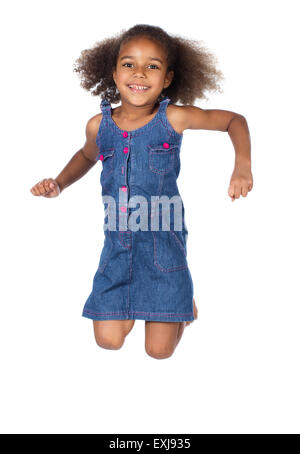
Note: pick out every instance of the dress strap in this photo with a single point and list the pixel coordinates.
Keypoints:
(105, 107)
(163, 105)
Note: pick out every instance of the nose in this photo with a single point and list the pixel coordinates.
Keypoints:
(139, 71)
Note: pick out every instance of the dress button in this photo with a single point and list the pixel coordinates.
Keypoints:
(124, 189)
(125, 150)
(125, 134)
(123, 209)
(101, 157)
(166, 145)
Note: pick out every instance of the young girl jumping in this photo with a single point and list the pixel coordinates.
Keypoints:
(143, 272)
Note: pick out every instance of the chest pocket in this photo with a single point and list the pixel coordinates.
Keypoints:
(161, 160)
(107, 157)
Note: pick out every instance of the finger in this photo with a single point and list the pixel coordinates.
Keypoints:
(41, 187)
(37, 189)
(54, 189)
(33, 190)
(46, 185)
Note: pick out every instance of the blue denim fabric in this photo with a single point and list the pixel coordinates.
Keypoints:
(141, 274)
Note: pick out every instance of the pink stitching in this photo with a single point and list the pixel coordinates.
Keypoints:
(104, 313)
(163, 313)
(108, 125)
(122, 238)
(102, 267)
(166, 270)
(130, 268)
(106, 174)
(178, 241)
(104, 150)
(161, 171)
(138, 312)
(161, 110)
(163, 150)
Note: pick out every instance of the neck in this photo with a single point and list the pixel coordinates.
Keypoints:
(132, 113)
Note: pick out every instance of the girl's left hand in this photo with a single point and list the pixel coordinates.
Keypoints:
(241, 183)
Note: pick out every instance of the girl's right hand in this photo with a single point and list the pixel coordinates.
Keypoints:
(47, 188)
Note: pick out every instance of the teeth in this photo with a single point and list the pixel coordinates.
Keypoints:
(138, 88)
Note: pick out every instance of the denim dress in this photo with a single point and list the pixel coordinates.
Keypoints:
(142, 273)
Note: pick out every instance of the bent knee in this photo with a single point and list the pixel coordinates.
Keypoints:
(159, 352)
(109, 342)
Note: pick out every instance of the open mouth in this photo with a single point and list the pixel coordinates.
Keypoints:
(138, 88)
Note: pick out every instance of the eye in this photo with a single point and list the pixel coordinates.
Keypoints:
(148, 65)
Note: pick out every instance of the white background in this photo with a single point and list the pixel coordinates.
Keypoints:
(236, 368)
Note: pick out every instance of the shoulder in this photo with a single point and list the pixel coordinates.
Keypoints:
(192, 117)
(177, 117)
(187, 117)
(90, 149)
(93, 124)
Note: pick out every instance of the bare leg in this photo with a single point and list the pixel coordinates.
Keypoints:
(180, 331)
(110, 334)
(161, 338)
(195, 313)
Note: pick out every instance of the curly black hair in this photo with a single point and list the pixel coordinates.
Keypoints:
(193, 65)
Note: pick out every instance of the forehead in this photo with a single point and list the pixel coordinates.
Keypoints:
(142, 47)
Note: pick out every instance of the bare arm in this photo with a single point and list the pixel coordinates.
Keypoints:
(191, 117)
(79, 164)
(84, 159)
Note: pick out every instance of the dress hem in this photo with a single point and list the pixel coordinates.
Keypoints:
(133, 315)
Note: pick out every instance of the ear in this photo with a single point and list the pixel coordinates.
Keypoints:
(114, 74)
(168, 79)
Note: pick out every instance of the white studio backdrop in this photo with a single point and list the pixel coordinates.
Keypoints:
(236, 368)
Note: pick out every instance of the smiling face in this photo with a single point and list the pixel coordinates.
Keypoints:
(141, 62)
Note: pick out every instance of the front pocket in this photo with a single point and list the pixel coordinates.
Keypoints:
(107, 158)
(169, 251)
(161, 160)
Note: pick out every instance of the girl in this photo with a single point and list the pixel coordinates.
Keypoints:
(143, 271)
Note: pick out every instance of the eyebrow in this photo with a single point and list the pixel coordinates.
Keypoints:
(150, 58)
